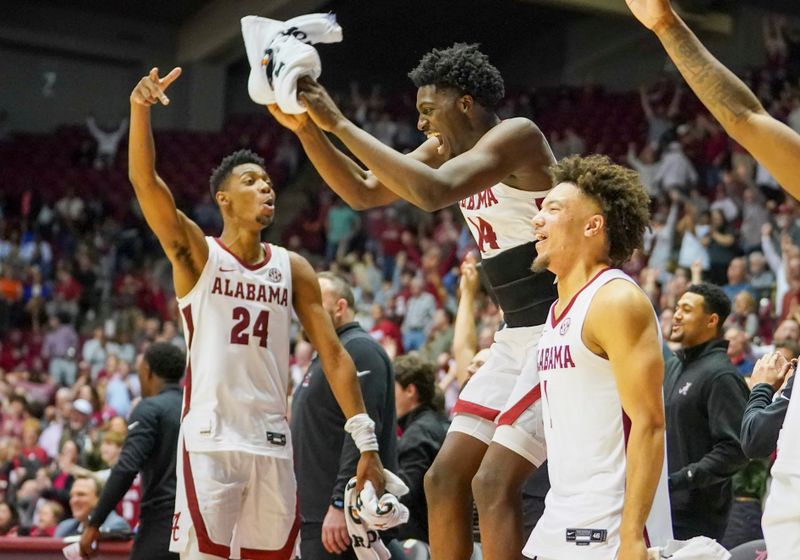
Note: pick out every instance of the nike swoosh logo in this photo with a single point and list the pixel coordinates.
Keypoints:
(132, 426)
(227, 269)
(363, 373)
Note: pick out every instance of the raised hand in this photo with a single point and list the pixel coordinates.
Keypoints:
(772, 369)
(651, 12)
(150, 89)
(470, 280)
(292, 122)
(321, 108)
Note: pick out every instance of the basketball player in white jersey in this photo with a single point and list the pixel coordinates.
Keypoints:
(776, 147)
(497, 172)
(601, 372)
(236, 495)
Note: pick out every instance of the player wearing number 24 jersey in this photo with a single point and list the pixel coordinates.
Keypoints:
(236, 493)
(495, 170)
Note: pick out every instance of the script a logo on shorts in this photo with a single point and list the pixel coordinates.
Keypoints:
(564, 327)
(274, 275)
(685, 389)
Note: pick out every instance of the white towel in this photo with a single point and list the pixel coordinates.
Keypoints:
(367, 514)
(698, 548)
(280, 52)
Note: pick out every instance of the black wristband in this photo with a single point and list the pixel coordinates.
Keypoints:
(337, 503)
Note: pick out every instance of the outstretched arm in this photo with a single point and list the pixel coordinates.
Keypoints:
(465, 335)
(634, 352)
(181, 238)
(337, 365)
(356, 186)
(771, 142)
(505, 149)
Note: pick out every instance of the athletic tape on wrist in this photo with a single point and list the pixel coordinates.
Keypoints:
(362, 429)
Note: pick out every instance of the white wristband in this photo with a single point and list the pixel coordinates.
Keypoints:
(362, 429)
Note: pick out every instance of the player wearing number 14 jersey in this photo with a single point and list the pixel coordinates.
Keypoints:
(236, 493)
(496, 171)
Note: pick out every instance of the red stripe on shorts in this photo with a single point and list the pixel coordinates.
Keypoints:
(466, 407)
(204, 542)
(284, 553)
(510, 416)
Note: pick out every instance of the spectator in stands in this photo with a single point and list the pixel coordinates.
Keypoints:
(660, 119)
(440, 336)
(744, 314)
(675, 171)
(704, 400)
(83, 497)
(761, 279)
(60, 347)
(107, 142)
(94, 351)
(647, 165)
(737, 278)
(693, 228)
(422, 431)
(754, 215)
(421, 307)
(302, 356)
(49, 514)
(721, 246)
(386, 331)
(77, 430)
(576, 145)
(341, 227)
(9, 520)
(739, 351)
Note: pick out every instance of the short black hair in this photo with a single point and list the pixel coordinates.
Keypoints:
(223, 170)
(464, 68)
(714, 300)
(166, 360)
(411, 369)
(619, 193)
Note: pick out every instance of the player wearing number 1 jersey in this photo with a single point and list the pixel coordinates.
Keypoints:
(496, 171)
(236, 494)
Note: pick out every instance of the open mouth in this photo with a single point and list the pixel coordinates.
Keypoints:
(442, 150)
(539, 237)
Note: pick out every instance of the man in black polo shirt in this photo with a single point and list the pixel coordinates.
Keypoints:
(324, 458)
(150, 448)
(704, 399)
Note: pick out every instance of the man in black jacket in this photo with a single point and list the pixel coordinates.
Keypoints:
(764, 414)
(423, 430)
(324, 458)
(150, 448)
(704, 397)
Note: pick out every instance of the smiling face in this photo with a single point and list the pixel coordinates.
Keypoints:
(566, 221)
(247, 197)
(692, 324)
(443, 115)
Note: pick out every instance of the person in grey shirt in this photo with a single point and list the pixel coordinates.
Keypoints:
(83, 497)
(420, 309)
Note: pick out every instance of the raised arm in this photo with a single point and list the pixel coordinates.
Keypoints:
(507, 148)
(465, 335)
(337, 365)
(771, 142)
(181, 238)
(356, 186)
(634, 351)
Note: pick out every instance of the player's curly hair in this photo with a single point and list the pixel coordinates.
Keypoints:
(223, 170)
(464, 68)
(620, 194)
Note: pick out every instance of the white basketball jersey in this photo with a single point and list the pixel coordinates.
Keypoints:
(237, 320)
(586, 432)
(501, 217)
